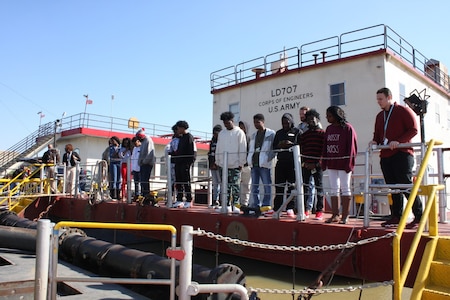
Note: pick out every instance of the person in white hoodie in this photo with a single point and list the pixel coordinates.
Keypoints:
(260, 156)
(233, 141)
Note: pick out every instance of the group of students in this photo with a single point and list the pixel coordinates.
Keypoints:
(258, 151)
(333, 149)
(139, 151)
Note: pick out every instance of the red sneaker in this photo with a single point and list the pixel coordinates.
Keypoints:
(319, 215)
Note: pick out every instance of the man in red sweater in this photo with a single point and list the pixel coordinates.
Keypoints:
(396, 124)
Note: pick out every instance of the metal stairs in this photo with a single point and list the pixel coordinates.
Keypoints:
(26, 148)
(22, 203)
(433, 280)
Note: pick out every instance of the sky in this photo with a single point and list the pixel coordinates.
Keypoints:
(156, 57)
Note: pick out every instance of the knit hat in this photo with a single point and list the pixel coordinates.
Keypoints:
(290, 119)
(217, 128)
(141, 133)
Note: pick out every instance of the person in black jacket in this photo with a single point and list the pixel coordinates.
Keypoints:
(51, 157)
(284, 139)
(183, 158)
(70, 160)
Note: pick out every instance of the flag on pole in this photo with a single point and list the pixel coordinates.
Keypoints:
(42, 115)
(89, 101)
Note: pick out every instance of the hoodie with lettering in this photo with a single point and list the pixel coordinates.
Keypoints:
(341, 144)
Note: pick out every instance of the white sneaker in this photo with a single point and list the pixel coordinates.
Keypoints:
(178, 204)
(187, 204)
(290, 213)
(269, 213)
(235, 210)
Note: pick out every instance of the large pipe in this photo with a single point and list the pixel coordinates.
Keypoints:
(114, 260)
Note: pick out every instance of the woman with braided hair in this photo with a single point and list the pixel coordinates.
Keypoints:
(339, 154)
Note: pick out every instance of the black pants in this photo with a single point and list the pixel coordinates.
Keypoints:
(183, 181)
(397, 169)
(284, 172)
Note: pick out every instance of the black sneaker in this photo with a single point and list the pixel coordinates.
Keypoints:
(391, 222)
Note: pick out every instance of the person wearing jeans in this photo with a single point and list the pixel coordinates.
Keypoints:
(259, 159)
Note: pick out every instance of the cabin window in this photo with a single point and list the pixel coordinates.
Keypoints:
(202, 168)
(402, 96)
(234, 108)
(438, 114)
(337, 94)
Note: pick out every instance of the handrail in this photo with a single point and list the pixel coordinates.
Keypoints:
(430, 212)
(48, 131)
(367, 173)
(361, 41)
(54, 260)
(20, 183)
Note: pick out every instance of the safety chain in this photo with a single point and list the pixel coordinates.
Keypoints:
(43, 213)
(308, 291)
(201, 232)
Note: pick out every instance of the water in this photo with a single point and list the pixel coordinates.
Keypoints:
(266, 275)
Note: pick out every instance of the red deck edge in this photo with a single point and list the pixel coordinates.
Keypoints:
(371, 262)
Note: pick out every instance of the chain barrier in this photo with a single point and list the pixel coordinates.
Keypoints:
(201, 232)
(305, 291)
(44, 212)
(308, 291)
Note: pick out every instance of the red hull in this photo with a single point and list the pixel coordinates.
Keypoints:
(371, 261)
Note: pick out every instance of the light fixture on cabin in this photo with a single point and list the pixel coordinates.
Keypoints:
(419, 106)
(417, 101)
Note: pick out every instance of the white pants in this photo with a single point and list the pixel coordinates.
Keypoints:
(246, 177)
(71, 173)
(340, 181)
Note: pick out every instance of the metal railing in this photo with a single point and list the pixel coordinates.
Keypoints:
(348, 44)
(49, 131)
(44, 258)
(430, 213)
(46, 278)
(27, 183)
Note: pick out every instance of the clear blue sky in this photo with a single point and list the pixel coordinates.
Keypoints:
(155, 57)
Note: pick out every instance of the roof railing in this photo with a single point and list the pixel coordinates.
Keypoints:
(348, 44)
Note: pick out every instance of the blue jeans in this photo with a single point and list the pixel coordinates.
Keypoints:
(216, 180)
(318, 177)
(266, 178)
(114, 172)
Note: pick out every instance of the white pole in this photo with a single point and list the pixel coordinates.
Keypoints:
(169, 180)
(185, 277)
(44, 229)
(128, 190)
(299, 184)
(224, 185)
(442, 193)
(367, 200)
